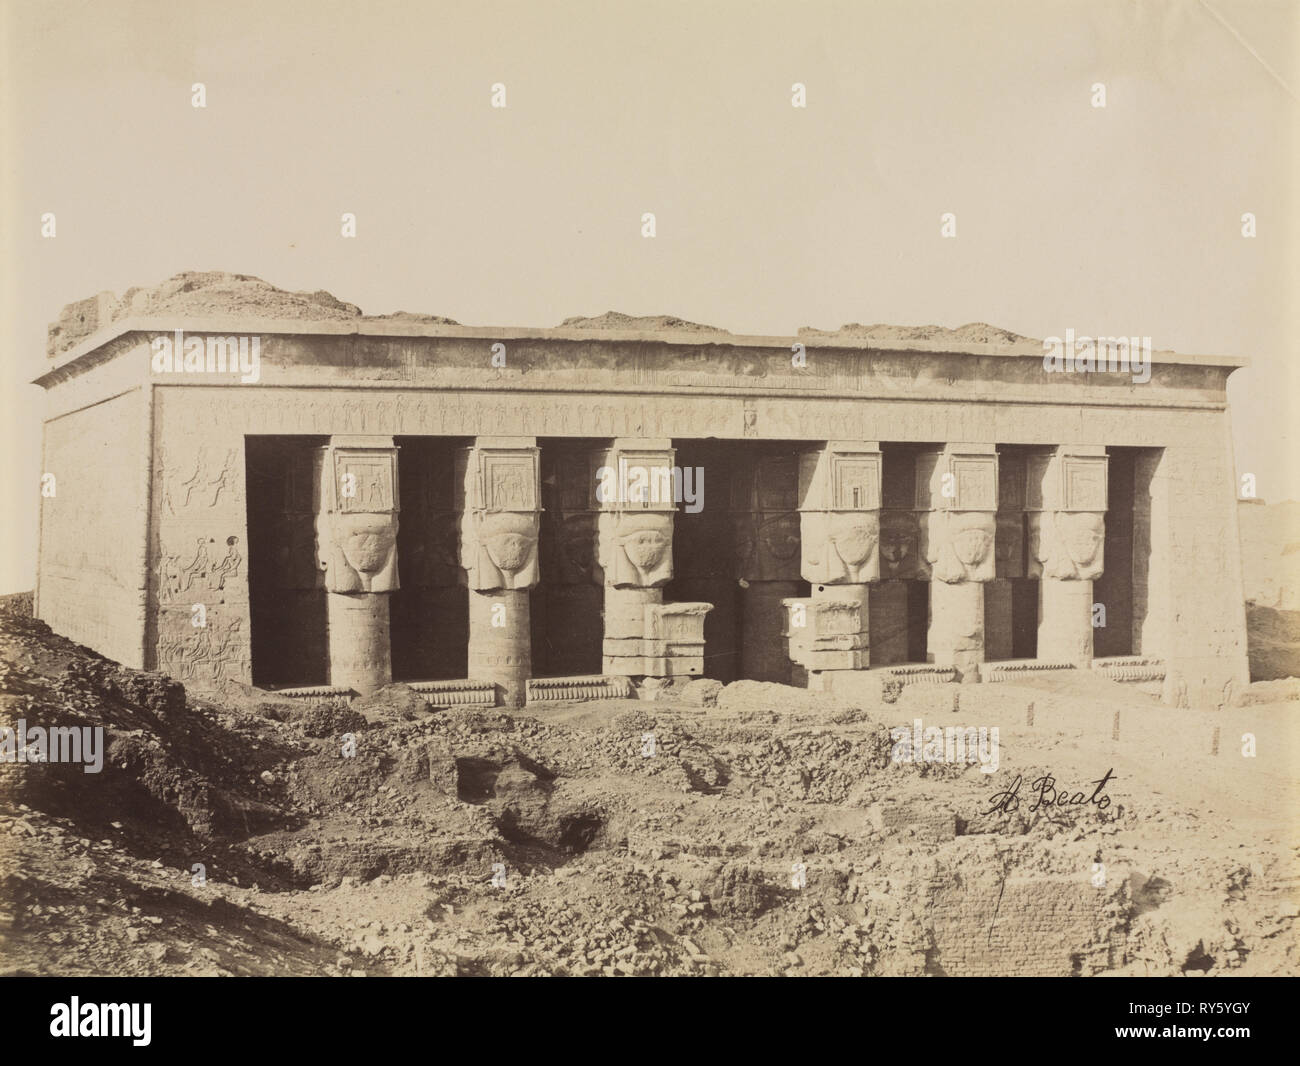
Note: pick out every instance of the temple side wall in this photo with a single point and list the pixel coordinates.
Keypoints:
(90, 573)
(1198, 559)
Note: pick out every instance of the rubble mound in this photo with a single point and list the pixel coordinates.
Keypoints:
(618, 320)
(210, 294)
(880, 333)
(771, 833)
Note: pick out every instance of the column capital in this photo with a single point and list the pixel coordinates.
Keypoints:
(1066, 498)
(839, 512)
(499, 506)
(957, 493)
(356, 500)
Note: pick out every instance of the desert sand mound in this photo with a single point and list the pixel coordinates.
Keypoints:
(766, 830)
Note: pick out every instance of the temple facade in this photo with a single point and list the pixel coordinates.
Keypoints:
(503, 516)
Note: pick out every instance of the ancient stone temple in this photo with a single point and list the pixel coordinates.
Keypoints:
(248, 485)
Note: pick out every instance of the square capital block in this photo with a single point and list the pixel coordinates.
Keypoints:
(957, 477)
(809, 620)
(499, 479)
(843, 476)
(356, 477)
(1068, 478)
(676, 623)
(635, 475)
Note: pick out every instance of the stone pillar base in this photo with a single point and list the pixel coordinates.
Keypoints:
(956, 634)
(997, 619)
(1065, 620)
(500, 648)
(359, 641)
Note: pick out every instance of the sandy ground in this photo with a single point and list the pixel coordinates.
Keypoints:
(769, 834)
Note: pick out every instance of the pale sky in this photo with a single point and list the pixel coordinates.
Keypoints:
(1117, 220)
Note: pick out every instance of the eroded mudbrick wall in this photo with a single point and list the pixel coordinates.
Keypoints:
(1030, 925)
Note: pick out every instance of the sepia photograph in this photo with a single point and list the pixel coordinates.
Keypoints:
(650, 489)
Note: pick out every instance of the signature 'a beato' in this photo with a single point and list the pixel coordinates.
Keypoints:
(1048, 795)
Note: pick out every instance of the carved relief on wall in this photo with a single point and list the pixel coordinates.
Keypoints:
(571, 559)
(900, 546)
(203, 654)
(196, 481)
(1010, 544)
(635, 548)
(1067, 545)
(840, 547)
(778, 547)
(205, 568)
(958, 545)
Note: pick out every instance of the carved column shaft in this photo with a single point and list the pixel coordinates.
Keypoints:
(1066, 499)
(356, 504)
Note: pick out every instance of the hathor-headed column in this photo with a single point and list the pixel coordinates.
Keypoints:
(499, 504)
(1009, 552)
(958, 487)
(634, 489)
(839, 533)
(356, 504)
(1066, 500)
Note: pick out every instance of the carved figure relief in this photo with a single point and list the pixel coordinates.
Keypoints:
(635, 548)
(900, 545)
(1067, 545)
(959, 545)
(840, 547)
(499, 551)
(358, 552)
